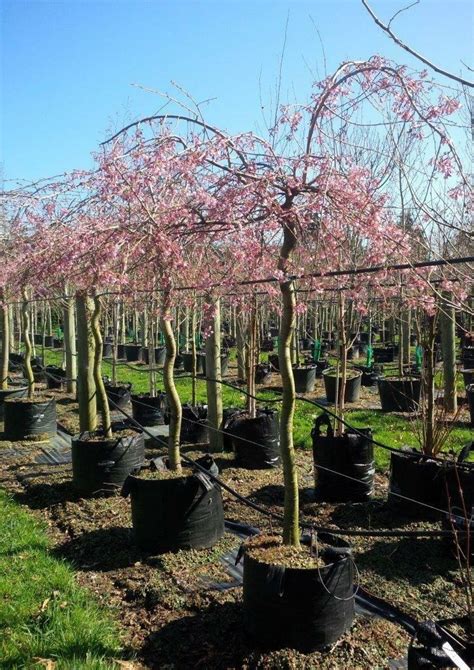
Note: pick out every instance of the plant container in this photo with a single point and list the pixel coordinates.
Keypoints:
(26, 418)
(353, 384)
(256, 441)
(176, 513)
(15, 390)
(305, 378)
(188, 362)
(55, 376)
(101, 465)
(306, 609)
(149, 410)
(263, 374)
(399, 395)
(468, 376)
(344, 464)
(470, 400)
(118, 394)
(133, 353)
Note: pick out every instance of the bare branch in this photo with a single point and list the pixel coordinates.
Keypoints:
(397, 40)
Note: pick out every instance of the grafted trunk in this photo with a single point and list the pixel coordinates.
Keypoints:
(102, 399)
(86, 392)
(171, 392)
(213, 372)
(291, 532)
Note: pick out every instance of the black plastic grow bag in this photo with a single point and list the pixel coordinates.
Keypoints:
(193, 424)
(107, 349)
(55, 376)
(149, 410)
(343, 465)
(468, 376)
(13, 391)
(224, 364)
(383, 354)
(133, 352)
(24, 419)
(102, 465)
(160, 355)
(352, 390)
(305, 378)
(188, 362)
(118, 394)
(256, 441)
(172, 514)
(304, 609)
(263, 373)
(438, 485)
(399, 395)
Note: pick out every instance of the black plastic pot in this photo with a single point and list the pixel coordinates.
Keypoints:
(102, 465)
(228, 415)
(13, 391)
(343, 465)
(173, 514)
(57, 343)
(352, 390)
(321, 365)
(39, 373)
(470, 400)
(467, 356)
(118, 394)
(263, 374)
(383, 354)
(305, 378)
(133, 352)
(48, 341)
(55, 376)
(256, 441)
(399, 395)
(468, 376)
(370, 374)
(224, 364)
(274, 361)
(160, 355)
(193, 424)
(149, 410)
(438, 485)
(188, 362)
(26, 419)
(178, 362)
(121, 351)
(267, 345)
(107, 349)
(304, 609)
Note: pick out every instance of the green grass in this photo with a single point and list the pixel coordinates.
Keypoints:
(390, 429)
(44, 614)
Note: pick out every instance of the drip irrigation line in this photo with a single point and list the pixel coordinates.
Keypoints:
(302, 524)
(289, 278)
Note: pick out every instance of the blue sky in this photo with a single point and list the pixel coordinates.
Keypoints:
(68, 66)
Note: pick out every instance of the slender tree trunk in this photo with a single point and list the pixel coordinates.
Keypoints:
(213, 371)
(28, 349)
(70, 345)
(194, 358)
(251, 361)
(342, 380)
(86, 391)
(240, 341)
(291, 532)
(448, 344)
(5, 326)
(428, 385)
(102, 399)
(170, 389)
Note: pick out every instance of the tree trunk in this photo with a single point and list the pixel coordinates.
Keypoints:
(240, 341)
(448, 344)
(28, 349)
(102, 399)
(86, 392)
(213, 371)
(291, 532)
(171, 392)
(5, 326)
(70, 345)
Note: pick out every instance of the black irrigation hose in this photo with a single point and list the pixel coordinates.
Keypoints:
(279, 517)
